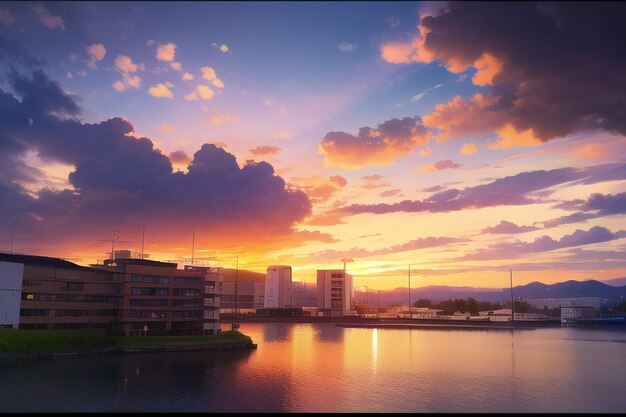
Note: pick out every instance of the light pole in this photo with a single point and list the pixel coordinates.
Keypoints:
(512, 300)
(409, 290)
(237, 286)
(193, 242)
(143, 235)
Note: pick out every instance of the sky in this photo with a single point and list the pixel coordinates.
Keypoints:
(455, 140)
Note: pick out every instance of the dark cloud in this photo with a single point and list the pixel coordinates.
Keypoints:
(570, 218)
(119, 178)
(597, 205)
(13, 54)
(505, 227)
(391, 193)
(556, 68)
(512, 190)
(179, 157)
(544, 244)
(374, 146)
(438, 166)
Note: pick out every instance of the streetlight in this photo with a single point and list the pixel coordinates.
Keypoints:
(143, 235)
(409, 290)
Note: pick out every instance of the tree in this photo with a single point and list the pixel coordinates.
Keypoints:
(423, 302)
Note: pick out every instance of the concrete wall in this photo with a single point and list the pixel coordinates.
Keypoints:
(11, 275)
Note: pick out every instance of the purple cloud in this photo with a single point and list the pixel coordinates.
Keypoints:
(505, 227)
(543, 244)
(512, 190)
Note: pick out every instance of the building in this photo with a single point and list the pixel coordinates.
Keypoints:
(160, 299)
(334, 292)
(126, 296)
(11, 274)
(57, 294)
(278, 287)
(552, 303)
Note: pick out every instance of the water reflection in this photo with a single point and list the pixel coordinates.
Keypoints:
(324, 368)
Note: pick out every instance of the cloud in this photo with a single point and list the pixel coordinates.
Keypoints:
(166, 128)
(177, 66)
(265, 150)
(438, 166)
(425, 152)
(179, 157)
(505, 227)
(69, 75)
(346, 47)
(205, 92)
(208, 74)
(124, 63)
(391, 193)
(215, 117)
(192, 96)
(119, 180)
(570, 218)
(374, 147)
(518, 189)
(6, 17)
(320, 189)
(469, 149)
(187, 76)
(160, 90)
(544, 244)
(48, 19)
(224, 48)
(96, 52)
(166, 52)
(567, 85)
(360, 253)
(373, 182)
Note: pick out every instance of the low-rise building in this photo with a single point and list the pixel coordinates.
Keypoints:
(334, 292)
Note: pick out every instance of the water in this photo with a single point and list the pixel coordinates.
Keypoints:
(324, 368)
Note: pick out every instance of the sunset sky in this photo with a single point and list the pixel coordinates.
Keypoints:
(464, 139)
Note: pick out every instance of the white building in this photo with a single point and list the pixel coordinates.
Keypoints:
(334, 292)
(11, 275)
(277, 287)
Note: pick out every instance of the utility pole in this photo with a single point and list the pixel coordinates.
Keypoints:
(409, 290)
(143, 235)
(193, 242)
(237, 286)
(378, 302)
(115, 238)
(12, 236)
(344, 284)
(512, 300)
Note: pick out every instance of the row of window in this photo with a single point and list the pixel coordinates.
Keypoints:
(44, 312)
(155, 279)
(67, 298)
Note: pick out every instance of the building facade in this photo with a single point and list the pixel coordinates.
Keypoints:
(126, 296)
(159, 299)
(334, 292)
(11, 275)
(278, 292)
(57, 294)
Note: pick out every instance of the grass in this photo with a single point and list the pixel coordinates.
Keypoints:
(24, 341)
(157, 341)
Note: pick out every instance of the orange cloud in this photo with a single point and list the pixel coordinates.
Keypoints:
(318, 188)
(166, 52)
(487, 67)
(593, 151)
(265, 150)
(469, 149)
(438, 166)
(510, 137)
(160, 90)
(460, 118)
(374, 147)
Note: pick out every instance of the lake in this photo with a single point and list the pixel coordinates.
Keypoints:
(324, 368)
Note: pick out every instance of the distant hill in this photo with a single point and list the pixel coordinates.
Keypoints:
(535, 290)
(617, 282)
(436, 293)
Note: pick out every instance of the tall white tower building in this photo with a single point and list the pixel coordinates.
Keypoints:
(334, 291)
(277, 287)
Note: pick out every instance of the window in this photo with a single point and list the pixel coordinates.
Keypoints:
(71, 313)
(186, 303)
(186, 292)
(149, 279)
(74, 286)
(106, 313)
(336, 275)
(33, 312)
(143, 314)
(186, 281)
(31, 283)
(184, 314)
(149, 291)
(148, 303)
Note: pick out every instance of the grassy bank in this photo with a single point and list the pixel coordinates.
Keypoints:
(27, 341)
(24, 341)
(162, 341)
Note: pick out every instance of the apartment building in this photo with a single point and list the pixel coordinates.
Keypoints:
(334, 292)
